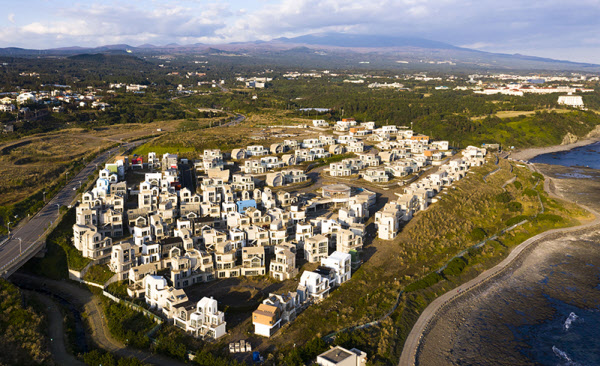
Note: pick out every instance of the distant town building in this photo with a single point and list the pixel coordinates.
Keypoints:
(571, 101)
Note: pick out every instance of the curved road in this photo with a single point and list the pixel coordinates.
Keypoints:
(57, 333)
(413, 341)
(238, 119)
(31, 231)
(81, 297)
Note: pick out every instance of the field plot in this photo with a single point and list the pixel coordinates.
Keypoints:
(29, 164)
(512, 114)
(189, 139)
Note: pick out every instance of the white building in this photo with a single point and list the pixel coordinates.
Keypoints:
(387, 221)
(313, 286)
(571, 100)
(207, 321)
(339, 356)
(341, 263)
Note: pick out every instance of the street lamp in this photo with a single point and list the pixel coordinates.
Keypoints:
(8, 227)
(44, 193)
(66, 174)
(20, 245)
(58, 208)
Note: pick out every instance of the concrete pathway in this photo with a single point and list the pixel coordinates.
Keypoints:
(81, 297)
(57, 333)
(413, 341)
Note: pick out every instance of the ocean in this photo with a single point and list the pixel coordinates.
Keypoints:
(584, 156)
(571, 336)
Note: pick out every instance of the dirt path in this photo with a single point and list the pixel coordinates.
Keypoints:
(56, 332)
(413, 341)
(83, 298)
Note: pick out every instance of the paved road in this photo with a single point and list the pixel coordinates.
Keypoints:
(413, 341)
(81, 297)
(223, 89)
(57, 333)
(34, 229)
(238, 118)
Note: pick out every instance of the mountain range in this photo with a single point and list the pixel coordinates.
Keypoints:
(336, 50)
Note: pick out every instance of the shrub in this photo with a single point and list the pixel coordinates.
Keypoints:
(100, 358)
(518, 184)
(455, 267)
(427, 281)
(549, 217)
(127, 325)
(118, 289)
(98, 273)
(515, 206)
(515, 220)
(537, 175)
(529, 192)
(503, 197)
(22, 330)
(171, 342)
(478, 234)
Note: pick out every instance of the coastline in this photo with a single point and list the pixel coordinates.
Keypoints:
(530, 153)
(414, 342)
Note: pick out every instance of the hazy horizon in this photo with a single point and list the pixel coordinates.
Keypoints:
(538, 28)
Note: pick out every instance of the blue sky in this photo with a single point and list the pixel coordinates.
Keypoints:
(548, 28)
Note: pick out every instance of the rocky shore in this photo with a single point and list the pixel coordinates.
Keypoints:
(482, 326)
(528, 154)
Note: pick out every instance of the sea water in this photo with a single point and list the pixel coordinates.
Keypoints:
(583, 156)
(569, 338)
(572, 336)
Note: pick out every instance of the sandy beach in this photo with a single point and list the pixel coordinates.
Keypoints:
(528, 154)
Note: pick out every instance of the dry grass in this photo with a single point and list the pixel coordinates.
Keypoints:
(512, 114)
(191, 142)
(31, 163)
(273, 117)
(26, 169)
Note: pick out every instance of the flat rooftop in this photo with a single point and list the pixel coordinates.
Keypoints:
(336, 355)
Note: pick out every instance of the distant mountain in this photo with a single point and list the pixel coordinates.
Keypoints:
(335, 50)
(365, 41)
(116, 58)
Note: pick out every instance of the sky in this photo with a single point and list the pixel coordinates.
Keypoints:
(548, 28)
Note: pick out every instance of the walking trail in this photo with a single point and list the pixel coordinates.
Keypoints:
(57, 333)
(81, 297)
(413, 341)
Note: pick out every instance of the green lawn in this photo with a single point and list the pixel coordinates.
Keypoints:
(98, 273)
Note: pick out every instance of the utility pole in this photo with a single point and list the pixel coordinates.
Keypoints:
(20, 245)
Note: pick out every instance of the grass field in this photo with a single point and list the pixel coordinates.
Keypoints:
(190, 140)
(29, 164)
(512, 114)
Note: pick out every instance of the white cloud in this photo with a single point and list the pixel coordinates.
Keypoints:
(482, 24)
